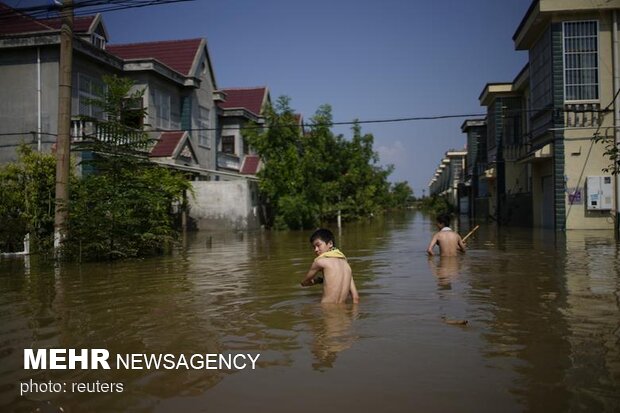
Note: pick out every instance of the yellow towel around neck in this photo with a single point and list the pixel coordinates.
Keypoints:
(333, 253)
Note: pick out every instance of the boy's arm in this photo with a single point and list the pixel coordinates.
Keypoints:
(461, 244)
(354, 295)
(429, 250)
(309, 278)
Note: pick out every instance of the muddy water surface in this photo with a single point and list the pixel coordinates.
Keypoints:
(542, 332)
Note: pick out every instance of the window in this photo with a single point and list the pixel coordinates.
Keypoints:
(228, 144)
(580, 60)
(98, 40)
(203, 126)
(89, 88)
(161, 101)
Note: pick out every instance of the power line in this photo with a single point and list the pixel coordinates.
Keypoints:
(43, 12)
(290, 125)
(329, 124)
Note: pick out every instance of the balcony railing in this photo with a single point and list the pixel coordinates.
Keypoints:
(582, 115)
(228, 161)
(118, 135)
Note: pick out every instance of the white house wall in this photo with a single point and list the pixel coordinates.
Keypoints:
(18, 86)
(224, 205)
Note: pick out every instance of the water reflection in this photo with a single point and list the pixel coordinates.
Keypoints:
(592, 312)
(544, 309)
(445, 269)
(333, 332)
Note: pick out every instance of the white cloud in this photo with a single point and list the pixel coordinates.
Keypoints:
(392, 154)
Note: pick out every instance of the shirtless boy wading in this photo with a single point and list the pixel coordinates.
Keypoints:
(449, 242)
(337, 277)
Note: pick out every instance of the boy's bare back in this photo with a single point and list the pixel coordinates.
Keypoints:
(449, 243)
(337, 280)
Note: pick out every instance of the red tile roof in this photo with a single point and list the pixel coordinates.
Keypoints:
(176, 54)
(247, 98)
(81, 24)
(250, 166)
(14, 22)
(166, 145)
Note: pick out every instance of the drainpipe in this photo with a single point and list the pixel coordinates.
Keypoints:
(39, 99)
(616, 70)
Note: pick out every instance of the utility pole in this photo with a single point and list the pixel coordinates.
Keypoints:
(616, 83)
(63, 140)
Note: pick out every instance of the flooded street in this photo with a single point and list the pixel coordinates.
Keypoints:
(543, 331)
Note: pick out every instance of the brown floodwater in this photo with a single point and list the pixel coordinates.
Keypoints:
(542, 332)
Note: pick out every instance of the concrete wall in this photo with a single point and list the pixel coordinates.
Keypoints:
(225, 205)
(583, 158)
(18, 108)
(18, 82)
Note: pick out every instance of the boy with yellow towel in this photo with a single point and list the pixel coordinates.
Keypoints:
(337, 276)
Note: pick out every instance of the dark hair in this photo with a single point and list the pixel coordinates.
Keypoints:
(443, 219)
(324, 235)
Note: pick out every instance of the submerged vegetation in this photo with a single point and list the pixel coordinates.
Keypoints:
(121, 208)
(27, 201)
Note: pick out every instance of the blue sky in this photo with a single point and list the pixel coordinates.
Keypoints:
(367, 59)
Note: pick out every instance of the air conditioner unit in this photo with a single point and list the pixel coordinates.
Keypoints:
(600, 192)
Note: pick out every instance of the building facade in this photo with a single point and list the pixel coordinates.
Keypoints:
(240, 108)
(547, 131)
(179, 93)
(449, 181)
(508, 175)
(476, 164)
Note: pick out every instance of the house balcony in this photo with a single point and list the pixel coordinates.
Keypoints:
(88, 131)
(582, 115)
(228, 161)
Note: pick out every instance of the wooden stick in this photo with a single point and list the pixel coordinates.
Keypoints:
(470, 232)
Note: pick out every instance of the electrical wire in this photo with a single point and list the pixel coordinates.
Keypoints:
(44, 12)
(318, 124)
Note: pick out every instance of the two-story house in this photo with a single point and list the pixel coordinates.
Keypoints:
(574, 76)
(176, 76)
(180, 95)
(449, 180)
(178, 82)
(240, 108)
(476, 164)
(507, 175)
(29, 72)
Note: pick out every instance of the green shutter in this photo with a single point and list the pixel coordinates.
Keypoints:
(186, 112)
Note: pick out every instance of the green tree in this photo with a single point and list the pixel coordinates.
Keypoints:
(364, 189)
(309, 177)
(401, 195)
(27, 201)
(435, 205)
(281, 180)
